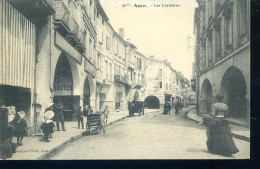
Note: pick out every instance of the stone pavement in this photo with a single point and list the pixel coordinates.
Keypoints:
(34, 149)
(237, 130)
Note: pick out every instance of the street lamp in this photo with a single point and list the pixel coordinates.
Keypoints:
(37, 110)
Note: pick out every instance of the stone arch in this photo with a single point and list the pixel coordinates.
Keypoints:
(89, 91)
(207, 96)
(74, 70)
(234, 89)
(152, 102)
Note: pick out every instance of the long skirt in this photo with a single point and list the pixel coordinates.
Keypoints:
(220, 139)
(165, 112)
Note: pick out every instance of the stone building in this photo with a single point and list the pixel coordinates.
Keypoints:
(223, 56)
(161, 83)
(136, 65)
(53, 42)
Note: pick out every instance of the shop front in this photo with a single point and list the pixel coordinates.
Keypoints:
(17, 60)
(119, 96)
(63, 86)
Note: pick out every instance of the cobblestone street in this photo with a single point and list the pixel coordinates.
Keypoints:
(152, 136)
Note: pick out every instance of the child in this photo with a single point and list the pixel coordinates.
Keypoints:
(20, 128)
(47, 125)
(80, 118)
(106, 112)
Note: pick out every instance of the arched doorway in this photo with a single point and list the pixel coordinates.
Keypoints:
(233, 87)
(86, 93)
(63, 86)
(152, 102)
(207, 96)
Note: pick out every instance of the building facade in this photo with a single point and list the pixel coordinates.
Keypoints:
(162, 83)
(223, 55)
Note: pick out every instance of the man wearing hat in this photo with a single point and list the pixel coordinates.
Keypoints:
(59, 115)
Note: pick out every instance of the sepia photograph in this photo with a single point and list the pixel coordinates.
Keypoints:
(124, 79)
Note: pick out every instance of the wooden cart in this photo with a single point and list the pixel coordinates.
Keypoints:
(95, 120)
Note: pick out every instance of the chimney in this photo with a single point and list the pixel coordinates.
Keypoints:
(121, 32)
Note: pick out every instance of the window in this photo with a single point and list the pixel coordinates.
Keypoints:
(217, 27)
(210, 47)
(90, 2)
(110, 71)
(107, 70)
(108, 43)
(103, 21)
(204, 55)
(90, 49)
(243, 20)
(160, 84)
(97, 14)
(228, 33)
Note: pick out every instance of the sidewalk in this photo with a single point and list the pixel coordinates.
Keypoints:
(237, 131)
(33, 149)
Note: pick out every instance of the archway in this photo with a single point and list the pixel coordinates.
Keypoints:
(63, 86)
(233, 87)
(152, 102)
(207, 97)
(86, 93)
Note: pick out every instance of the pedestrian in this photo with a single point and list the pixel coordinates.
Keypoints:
(220, 139)
(169, 108)
(20, 128)
(8, 117)
(129, 108)
(165, 109)
(48, 125)
(85, 110)
(91, 110)
(177, 108)
(106, 112)
(80, 118)
(59, 115)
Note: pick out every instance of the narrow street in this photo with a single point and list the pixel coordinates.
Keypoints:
(152, 136)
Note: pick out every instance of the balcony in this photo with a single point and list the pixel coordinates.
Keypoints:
(73, 36)
(121, 79)
(139, 84)
(35, 10)
(61, 17)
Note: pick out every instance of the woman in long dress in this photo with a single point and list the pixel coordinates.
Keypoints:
(220, 139)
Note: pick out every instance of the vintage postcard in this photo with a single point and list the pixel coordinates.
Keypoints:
(124, 79)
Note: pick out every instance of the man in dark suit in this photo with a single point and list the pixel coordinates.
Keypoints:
(59, 115)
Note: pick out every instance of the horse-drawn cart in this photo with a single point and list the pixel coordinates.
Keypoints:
(95, 120)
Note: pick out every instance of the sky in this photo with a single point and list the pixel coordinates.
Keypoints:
(159, 31)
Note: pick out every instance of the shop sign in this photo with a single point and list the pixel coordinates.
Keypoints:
(66, 47)
(62, 89)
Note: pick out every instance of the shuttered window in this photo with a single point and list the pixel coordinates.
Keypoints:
(17, 47)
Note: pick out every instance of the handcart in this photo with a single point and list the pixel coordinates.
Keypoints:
(95, 120)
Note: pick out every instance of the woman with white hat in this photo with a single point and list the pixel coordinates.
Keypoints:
(20, 128)
(47, 125)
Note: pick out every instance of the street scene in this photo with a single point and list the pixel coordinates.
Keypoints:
(120, 79)
(152, 136)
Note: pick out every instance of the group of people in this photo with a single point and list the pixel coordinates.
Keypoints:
(135, 107)
(12, 124)
(167, 108)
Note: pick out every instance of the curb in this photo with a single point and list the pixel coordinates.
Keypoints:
(53, 151)
(241, 137)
